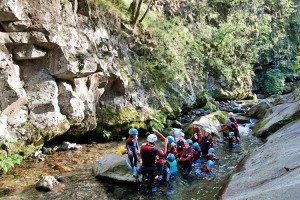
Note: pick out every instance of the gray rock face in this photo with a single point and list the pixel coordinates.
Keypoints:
(65, 64)
(113, 166)
(72, 65)
(259, 110)
(286, 109)
(272, 171)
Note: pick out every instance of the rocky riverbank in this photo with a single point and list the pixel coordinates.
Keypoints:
(273, 170)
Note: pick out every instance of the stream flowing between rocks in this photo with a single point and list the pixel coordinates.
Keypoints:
(76, 167)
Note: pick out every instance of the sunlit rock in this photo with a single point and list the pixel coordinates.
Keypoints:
(114, 167)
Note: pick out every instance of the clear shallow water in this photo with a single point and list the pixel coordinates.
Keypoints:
(76, 167)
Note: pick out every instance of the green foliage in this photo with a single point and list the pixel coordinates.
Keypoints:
(118, 7)
(297, 63)
(7, 162)
(106, 134)
(157, 120)
(47, 151)
(274, 82)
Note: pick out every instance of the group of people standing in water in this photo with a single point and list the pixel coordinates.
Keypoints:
(177, 154)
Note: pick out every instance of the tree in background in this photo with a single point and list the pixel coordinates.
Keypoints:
(135, 10)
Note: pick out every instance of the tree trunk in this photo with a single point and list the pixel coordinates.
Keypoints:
(148, 8)
(132, 10)
(137, 13)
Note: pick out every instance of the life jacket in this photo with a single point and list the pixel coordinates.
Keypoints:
(197, 154)
(230, 141)
(233, 120)
(204, 169)
(180, 147)
(148, 154)
(205, 142)
(211, 156)
(199, 136)
(171, 148)
(187, 155)
(132, 144)
(173, 166)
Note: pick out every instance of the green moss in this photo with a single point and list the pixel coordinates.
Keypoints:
(210, 106)
(220, 116)
(259, 125)
(276, 126)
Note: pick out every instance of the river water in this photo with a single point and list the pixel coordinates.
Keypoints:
(79, 183)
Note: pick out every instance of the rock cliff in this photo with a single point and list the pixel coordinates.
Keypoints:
(71, 66)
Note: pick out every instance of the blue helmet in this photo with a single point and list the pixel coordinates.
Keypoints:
(211, 150)
(231, 133)
(196, 145)
(228, 121)
(189, 141)
(170, 139)
(133, 131)
(210, 164)
(171, 157)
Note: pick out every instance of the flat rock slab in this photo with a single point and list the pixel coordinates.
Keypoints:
(114, 167)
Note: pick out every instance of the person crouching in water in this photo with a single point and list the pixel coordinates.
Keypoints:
(187, 158)
(180, 144)
(208, 167)
(132, 149)
(196, 154)
(211, 154)
(148, 154)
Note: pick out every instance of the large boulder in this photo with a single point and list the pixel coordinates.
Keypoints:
(279, 115)
(259, 110)
(211, 122)
(113, 167)
(272, 171)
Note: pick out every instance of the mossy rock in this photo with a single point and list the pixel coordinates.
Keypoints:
(211, 121)
(210, 106)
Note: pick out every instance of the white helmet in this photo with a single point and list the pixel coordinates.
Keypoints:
(152, 138)
(207, 130)
(182, 134)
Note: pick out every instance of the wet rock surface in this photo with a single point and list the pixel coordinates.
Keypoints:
(114, 167)
(272, 171)
(283, 110)
(47, 183)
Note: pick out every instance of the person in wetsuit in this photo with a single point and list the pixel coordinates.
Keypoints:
(132, 148)
(148, 154)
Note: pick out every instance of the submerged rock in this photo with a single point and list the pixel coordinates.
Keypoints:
(47, 183)
(113, 167)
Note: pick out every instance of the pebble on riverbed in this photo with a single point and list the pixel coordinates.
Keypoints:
(48, 183)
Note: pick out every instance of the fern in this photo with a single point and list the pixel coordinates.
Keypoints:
(157, 120)
(6, 162)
